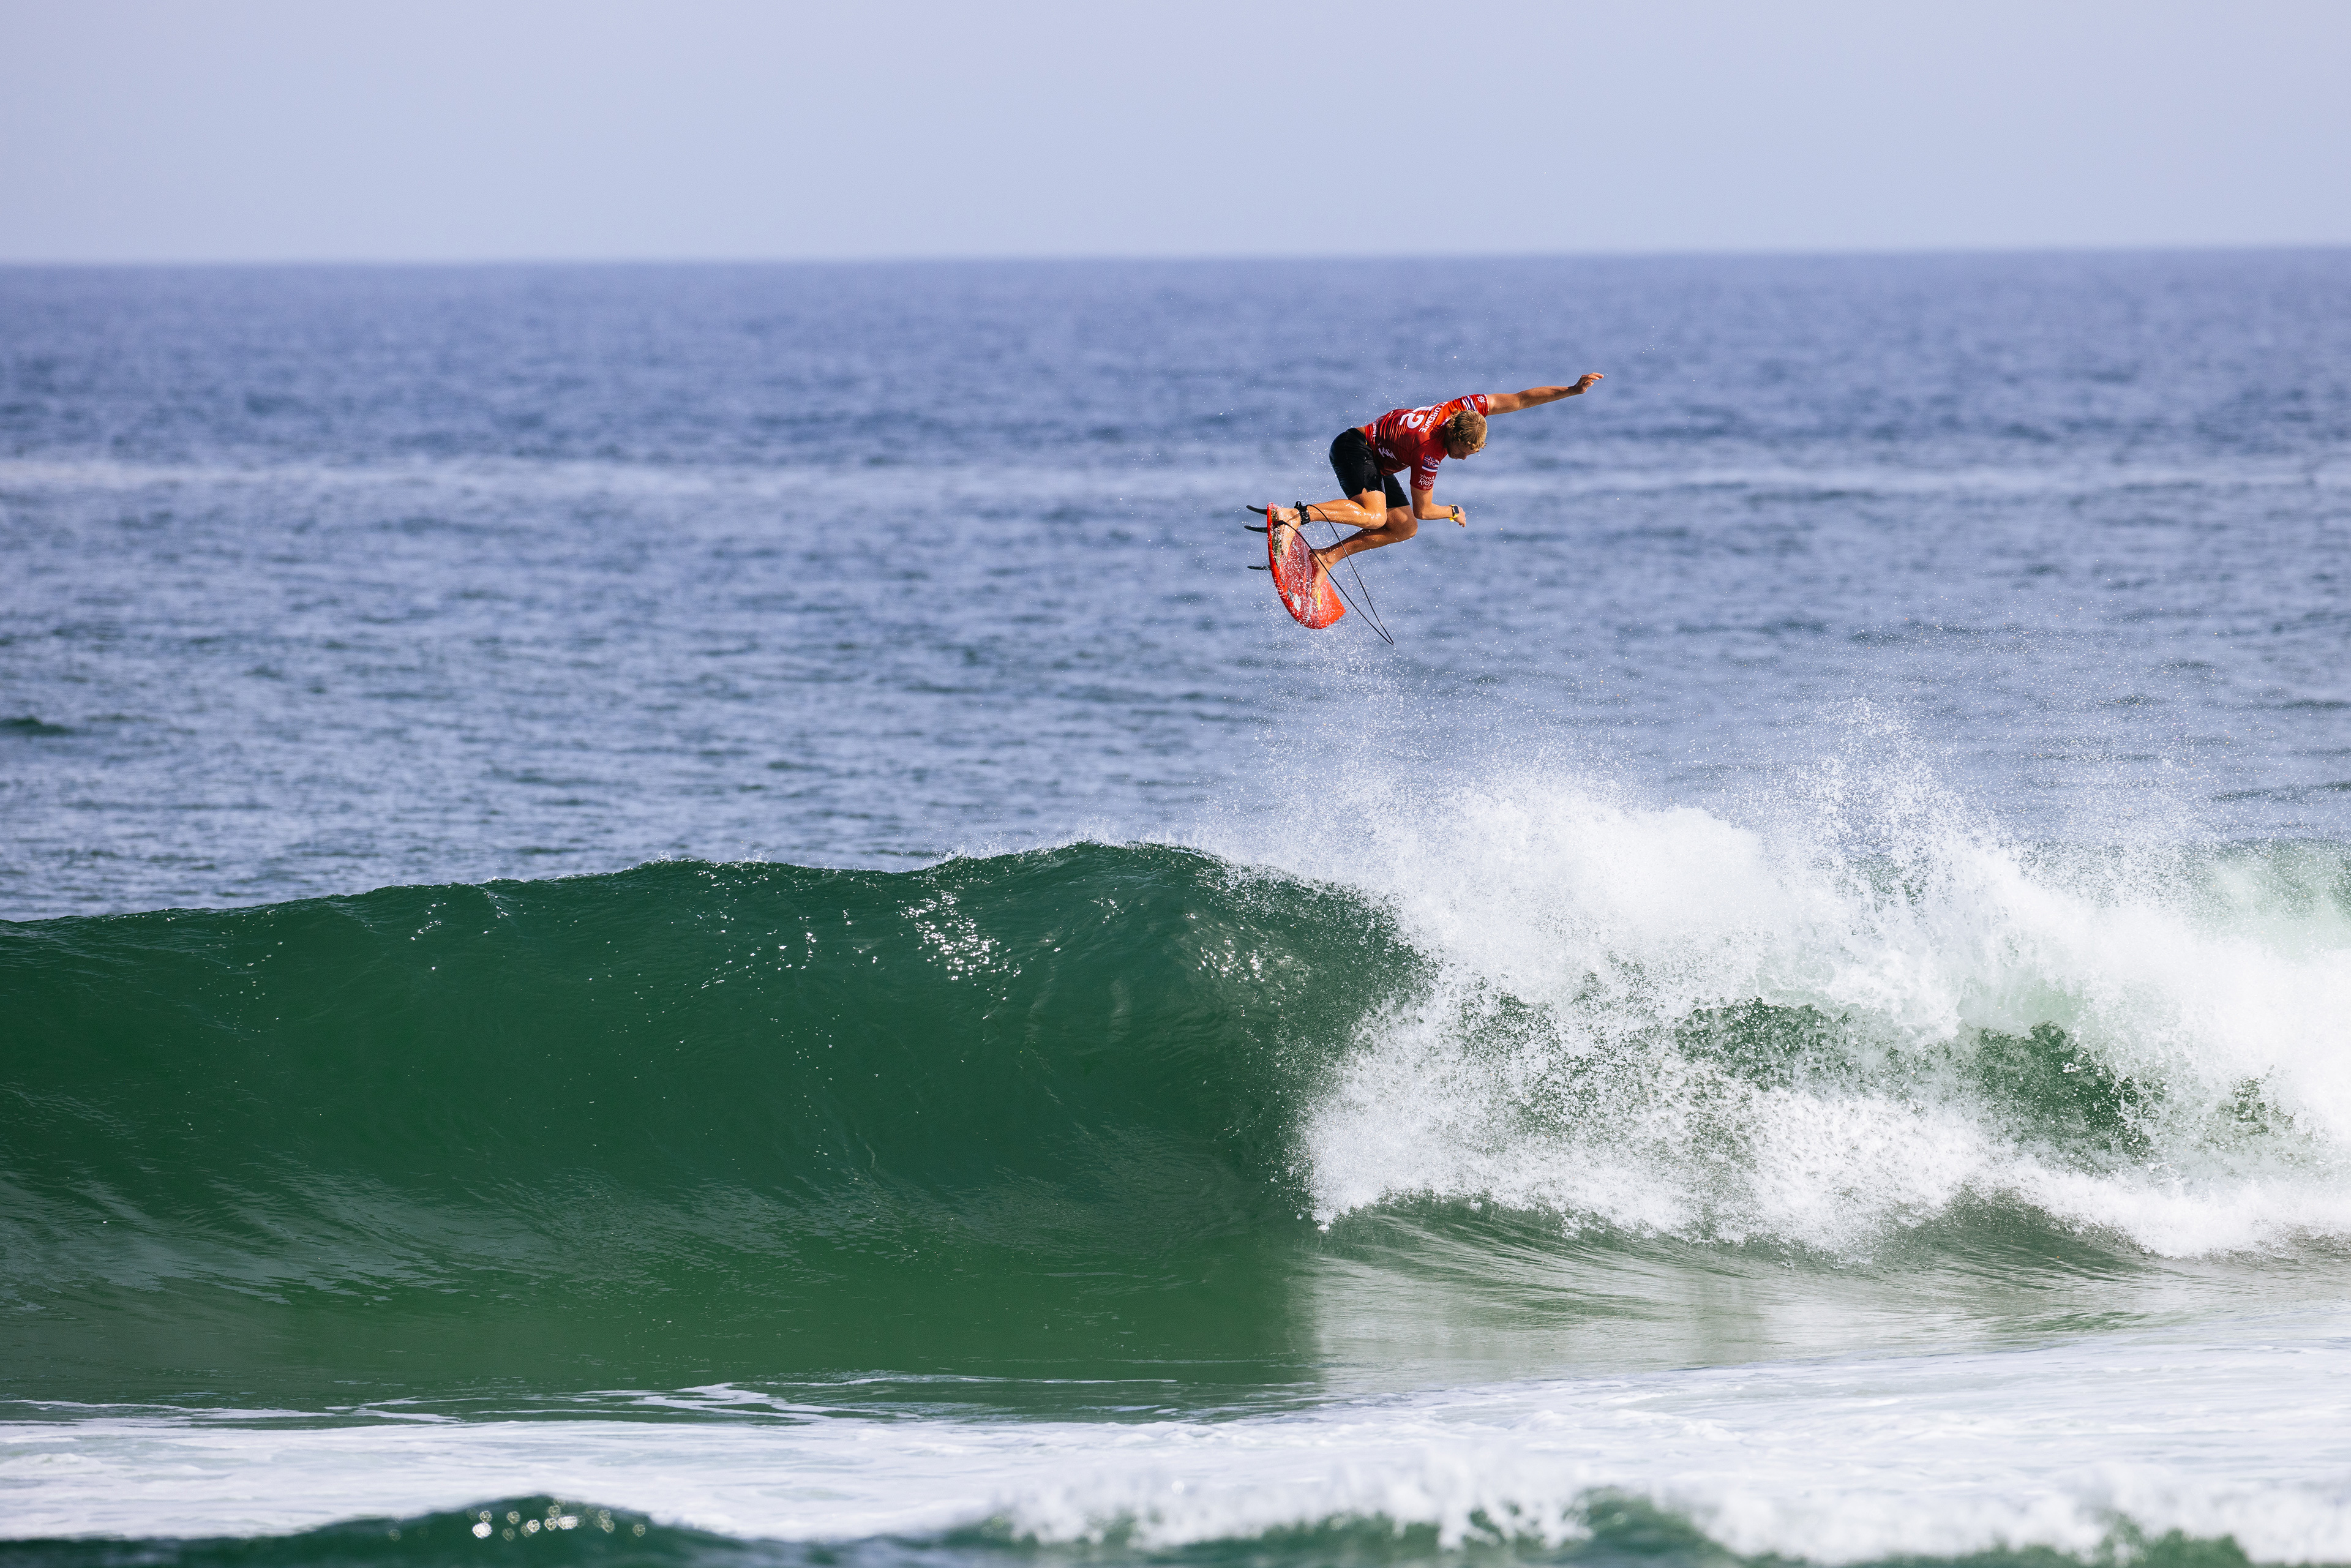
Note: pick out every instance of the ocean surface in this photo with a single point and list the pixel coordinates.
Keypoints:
(698, 916)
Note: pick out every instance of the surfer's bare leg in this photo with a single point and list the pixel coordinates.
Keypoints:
(1401, 526)
(1377, 523)
(1369, 510)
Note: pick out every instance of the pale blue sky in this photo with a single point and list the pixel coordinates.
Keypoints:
(427, 130)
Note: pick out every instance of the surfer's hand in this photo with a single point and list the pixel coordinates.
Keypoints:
(1585, 382)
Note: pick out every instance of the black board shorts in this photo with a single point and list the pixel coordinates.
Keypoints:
(1357, 465)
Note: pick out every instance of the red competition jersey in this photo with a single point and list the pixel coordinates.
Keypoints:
(1410, 438)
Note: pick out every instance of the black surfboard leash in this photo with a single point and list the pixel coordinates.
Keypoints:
(1367, 609)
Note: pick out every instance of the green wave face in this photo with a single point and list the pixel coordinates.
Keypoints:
(680, 1126)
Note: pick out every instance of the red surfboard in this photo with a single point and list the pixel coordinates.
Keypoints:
(1305, 588)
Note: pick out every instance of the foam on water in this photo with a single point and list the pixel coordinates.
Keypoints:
(1840, 1018)
(2224, 1434)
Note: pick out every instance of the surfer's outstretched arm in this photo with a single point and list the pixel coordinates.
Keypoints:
(1535, 397)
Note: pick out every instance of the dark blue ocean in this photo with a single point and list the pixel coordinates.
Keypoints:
(699, 914)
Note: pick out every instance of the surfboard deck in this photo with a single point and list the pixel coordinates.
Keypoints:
(1305, 588)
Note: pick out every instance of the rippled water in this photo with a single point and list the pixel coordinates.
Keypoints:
(324, 579)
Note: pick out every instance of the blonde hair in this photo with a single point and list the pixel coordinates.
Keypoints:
(1467, 427)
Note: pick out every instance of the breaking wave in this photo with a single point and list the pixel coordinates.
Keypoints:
(1100, 1107)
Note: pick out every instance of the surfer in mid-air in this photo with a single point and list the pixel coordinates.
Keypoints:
(1368, 458)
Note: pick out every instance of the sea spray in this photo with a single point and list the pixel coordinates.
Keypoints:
(1663, 1021)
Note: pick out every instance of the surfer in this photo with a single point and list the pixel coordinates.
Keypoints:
(1368, 458)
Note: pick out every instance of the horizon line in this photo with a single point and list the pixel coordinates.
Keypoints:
(1758, 252)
